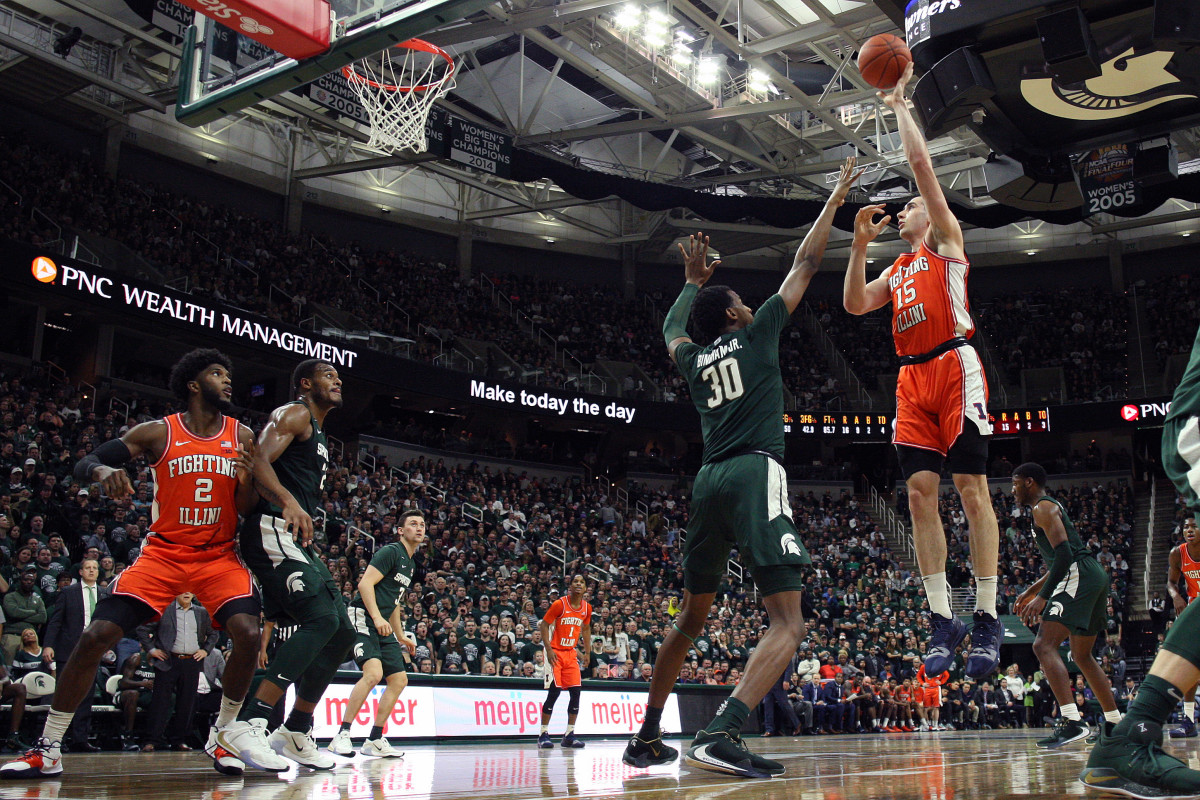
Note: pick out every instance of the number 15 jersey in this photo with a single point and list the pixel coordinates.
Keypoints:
(736, 385)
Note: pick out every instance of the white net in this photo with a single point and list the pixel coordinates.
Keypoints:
(398, 88)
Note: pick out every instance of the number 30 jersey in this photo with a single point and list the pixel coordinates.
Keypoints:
(736, 385)
(195, 484)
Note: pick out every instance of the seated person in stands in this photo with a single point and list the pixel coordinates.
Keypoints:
(28, 657)
(14, 694)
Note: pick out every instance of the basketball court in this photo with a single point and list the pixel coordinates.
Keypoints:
(989, 764)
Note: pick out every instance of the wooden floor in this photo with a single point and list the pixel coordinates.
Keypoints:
(946, 766)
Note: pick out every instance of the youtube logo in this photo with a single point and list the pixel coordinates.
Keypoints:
(1130, 413)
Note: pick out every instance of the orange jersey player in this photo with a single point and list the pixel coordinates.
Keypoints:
(1184, 564)
(565, 625)
(203, 463)
(941, 392)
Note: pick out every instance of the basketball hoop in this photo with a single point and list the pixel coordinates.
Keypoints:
(398, 92)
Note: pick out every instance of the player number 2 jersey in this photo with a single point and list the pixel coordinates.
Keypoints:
(929, 301)
(195, 485)
(566, 623)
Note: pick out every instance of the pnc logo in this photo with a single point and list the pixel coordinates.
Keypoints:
(1129, 413)
(44, 269)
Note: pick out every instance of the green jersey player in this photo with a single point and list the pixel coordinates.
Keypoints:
(740, 494)
(378, 619)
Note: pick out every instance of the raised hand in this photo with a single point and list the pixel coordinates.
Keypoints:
(866, 227)
(696, 268)
(895, 97)
(847, 178)
(245, 462)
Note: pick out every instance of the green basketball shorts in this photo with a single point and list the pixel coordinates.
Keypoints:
(743, 501)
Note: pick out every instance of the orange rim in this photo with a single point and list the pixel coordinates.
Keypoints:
(354, 76)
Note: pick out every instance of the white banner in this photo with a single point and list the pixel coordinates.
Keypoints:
(429, 711)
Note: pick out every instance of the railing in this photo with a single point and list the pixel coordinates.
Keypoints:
(887, 516)
(355, 529)
(854, 386)
(557, 552)
(623, 496)
(56, 373)
(641, 507)
(180, 284)
(962, 600)
(119, 406)
(735, 571)
(89, 394)
(14, 193)
(1149, 542)
(337, 450)
(81, 252)
(366, 458)
(472, 512)
(57, 242)
(601, 575)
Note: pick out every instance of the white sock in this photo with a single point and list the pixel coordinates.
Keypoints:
(1070, 711)
(985, 594)
(229, 711)
(570, 730)
(1112, 716)
(57, 723)
(1189, 710)
(937, 592)
(546, 728)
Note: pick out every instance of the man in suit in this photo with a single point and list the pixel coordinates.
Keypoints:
(776, 702)
(988, 700)
(69, 617)
(177, 645)
(842, 717)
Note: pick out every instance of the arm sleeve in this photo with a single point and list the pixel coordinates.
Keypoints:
(1058, 569)
(675, 323)
(112, 453)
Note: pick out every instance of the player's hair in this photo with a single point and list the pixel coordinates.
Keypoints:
(708, 312)
(1031, 470)
(305, 369)
(412, 512)
(187, 368)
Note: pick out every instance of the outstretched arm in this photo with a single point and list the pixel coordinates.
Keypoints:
(104, 464)
(1174, 576)
(812, 249)
(697, 271)
(945, 232)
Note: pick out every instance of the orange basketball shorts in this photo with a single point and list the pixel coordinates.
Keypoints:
(935, 398)
(164, 571)
(566, 669)
(932, 697)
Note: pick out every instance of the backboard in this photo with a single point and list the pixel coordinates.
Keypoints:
(223, 72)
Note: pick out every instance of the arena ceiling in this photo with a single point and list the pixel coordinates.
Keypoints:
(578, 80)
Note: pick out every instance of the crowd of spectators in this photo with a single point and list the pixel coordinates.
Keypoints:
(1084, 331)
(1172, 306)
(500, 543)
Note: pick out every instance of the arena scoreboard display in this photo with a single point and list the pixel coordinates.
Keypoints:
(1020, 420)
(862, 425)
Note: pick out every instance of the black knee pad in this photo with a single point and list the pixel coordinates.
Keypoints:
(573, 705)
(551, 697)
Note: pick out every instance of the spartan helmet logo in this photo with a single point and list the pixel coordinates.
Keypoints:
(1055, 610)
(789, 544)
(359, 650)
(295, 582)
(1128, 85)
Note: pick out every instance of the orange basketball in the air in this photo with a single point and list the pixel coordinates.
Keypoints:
(883, 59)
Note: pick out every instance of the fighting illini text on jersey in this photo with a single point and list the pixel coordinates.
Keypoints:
(1191, 572)
(568, 622)
(195, 485)
(929, 301)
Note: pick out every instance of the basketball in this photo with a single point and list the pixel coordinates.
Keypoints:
(883, 59)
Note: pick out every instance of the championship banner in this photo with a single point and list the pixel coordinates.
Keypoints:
(1105, 178)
